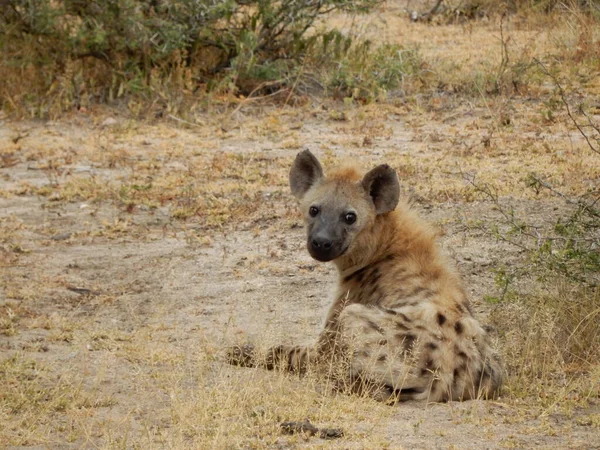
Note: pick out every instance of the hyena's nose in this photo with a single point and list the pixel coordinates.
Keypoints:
(321, 244)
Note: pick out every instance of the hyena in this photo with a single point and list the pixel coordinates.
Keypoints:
(400, 326)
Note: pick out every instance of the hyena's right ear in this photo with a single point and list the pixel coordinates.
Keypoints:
(383, 187)
(305, 172)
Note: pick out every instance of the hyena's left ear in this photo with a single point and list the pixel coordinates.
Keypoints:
(305, 172)
(382, 185)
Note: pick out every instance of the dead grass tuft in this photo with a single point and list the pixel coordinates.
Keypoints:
(551, 346)
(32, 400)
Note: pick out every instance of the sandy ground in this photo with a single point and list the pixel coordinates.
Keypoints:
(133, 252)
(107, 293)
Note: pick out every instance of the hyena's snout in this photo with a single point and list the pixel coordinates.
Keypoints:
(325, 244)
(321, 244)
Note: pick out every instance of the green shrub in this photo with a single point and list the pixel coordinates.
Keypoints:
(69, 52)
(361, 72)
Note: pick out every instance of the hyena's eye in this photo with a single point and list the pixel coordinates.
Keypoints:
(350, 218)
(313, 211)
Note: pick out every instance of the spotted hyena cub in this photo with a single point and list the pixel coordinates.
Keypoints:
(400, 326)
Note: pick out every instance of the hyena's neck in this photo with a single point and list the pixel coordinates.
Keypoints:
(396, 235)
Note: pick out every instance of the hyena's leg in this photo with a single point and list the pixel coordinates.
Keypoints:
(282, 357)
(288, 357)
(481, 376)
(382, 353)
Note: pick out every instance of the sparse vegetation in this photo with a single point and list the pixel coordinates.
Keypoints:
(461, 10)
(171, 54)
(132, 252)
(549, 331)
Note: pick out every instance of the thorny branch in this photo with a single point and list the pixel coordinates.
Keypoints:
(563, 97)
(571, 254)
(509, 216)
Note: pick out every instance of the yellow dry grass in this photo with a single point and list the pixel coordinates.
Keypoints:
(145, 219)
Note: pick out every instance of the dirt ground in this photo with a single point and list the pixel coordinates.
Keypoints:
(133, 252)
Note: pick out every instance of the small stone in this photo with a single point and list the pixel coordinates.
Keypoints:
(109, 122)
(61, 236)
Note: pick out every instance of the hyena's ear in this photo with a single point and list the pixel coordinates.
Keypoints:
(382, 185)
(305, 172)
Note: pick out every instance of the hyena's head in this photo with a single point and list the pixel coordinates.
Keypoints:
(339, 207)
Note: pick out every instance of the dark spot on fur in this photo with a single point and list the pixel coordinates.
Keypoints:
(441, 319)
(401, 326)
(417, 290)
(430, 294)
(389, 311)
(382, 342)
(458, 327)
(431, 346)
(381, 357)
(461, 354)
(374, 277)
(428, 367)
(404, 317)
(408, 340)
(456, 373)
(375, 327)
(460, 308)
(356, 276)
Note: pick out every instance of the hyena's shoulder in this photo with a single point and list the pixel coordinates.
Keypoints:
(411, 271)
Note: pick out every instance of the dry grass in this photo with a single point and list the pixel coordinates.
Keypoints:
(550, 343)
(196, 405)
(122, 246)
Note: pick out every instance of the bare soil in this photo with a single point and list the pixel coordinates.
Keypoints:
(133, 252)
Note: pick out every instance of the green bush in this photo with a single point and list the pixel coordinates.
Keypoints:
(73, 51)
(361, 72)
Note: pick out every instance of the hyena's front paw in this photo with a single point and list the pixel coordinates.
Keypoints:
(242, 355)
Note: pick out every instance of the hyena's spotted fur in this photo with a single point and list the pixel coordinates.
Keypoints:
(400, 325)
